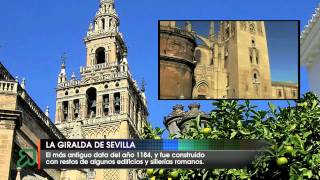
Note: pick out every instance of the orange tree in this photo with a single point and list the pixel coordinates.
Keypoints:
(293, 131)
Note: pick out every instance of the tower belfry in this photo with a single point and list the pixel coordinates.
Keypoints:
(106, 102)
(104, 42)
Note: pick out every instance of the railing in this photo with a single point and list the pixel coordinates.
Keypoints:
(69, 83)
(97, 67)
(8, 87)
(39, 113)
(110, 76)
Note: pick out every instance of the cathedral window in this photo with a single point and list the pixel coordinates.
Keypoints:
(117, 103)
(76, 108)
(251, 55)
(103, 23)
(253, 43)
(100, 55)
(106, 104)
(92, 102)
(65, 108)
(255, 77)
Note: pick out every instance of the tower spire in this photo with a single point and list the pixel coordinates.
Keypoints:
(211, 30)
(63, 75)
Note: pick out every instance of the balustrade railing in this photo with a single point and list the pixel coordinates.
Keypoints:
(97, 67)
(8, 87)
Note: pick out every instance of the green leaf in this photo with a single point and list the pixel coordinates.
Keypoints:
(314, 104)
(233, 134)
(306, 134)
(245, 132)
(307, 173)
(292, 127)
(272, 107)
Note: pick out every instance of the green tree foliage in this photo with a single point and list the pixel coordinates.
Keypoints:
(293, 132)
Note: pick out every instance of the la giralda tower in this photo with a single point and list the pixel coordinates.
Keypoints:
(105, 102)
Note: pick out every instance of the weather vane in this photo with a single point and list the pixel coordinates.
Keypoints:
(63, 58)
(143, 85)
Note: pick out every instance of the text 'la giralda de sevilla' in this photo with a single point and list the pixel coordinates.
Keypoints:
(97, 144)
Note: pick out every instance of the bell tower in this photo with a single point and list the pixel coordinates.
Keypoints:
(104, 42)
(246, 59)
(105, 102)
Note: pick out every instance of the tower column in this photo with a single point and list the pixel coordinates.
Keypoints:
(111, 104)
(99, 106)
(122, 100)
(70, 110)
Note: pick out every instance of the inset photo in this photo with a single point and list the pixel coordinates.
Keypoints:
(229, 59)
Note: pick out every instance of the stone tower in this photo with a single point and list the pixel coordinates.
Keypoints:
(246, 59)
(176, 61)
(105, 103)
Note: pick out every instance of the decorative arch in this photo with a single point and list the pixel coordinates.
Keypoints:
(201, 90)
(91, 95)
(100, 55)
(255, 75)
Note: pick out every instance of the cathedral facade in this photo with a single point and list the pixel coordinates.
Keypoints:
(105, 103)
(232, 64)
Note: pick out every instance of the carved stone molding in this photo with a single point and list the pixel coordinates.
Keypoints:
(10, 119)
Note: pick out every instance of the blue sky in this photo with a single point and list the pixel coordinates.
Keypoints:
(35, 33)
(282, 39)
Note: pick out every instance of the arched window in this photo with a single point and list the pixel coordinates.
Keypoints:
(91, 102)
(253, 43)
(202, 91)
(279, 93)
(255, 76)
(251, 55)
(103, 24)
(100, 55)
